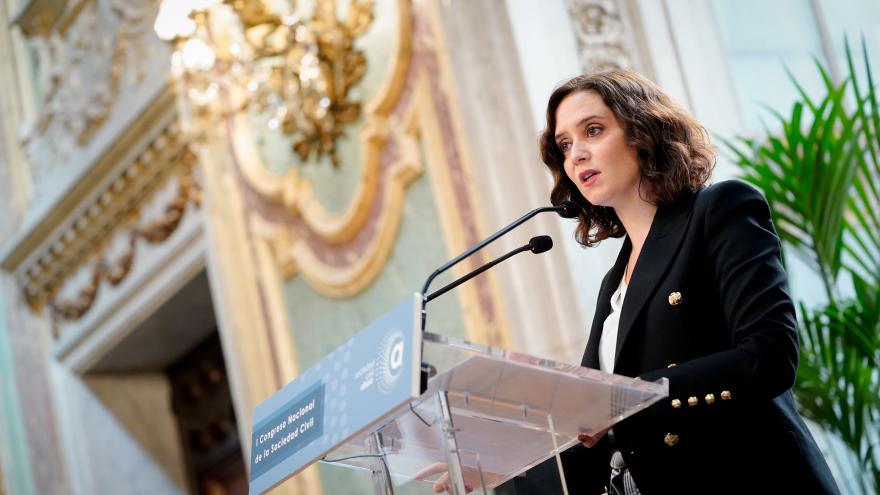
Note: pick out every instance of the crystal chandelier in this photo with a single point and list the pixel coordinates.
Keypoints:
(261, 57)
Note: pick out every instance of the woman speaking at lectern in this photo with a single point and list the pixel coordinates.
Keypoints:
(698, 295)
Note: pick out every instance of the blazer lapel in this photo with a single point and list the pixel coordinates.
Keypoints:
(603, 305)
(663, 242)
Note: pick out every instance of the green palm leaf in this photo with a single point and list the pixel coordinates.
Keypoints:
(837, 376)
(820, 175)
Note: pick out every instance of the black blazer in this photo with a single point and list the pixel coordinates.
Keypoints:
(708, 308)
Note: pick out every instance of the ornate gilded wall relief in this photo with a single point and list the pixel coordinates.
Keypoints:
(144, 203)
(339, 248)
(606, 34)
(88, 54)
(337, 228)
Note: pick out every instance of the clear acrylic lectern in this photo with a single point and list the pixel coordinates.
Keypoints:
(487, 415)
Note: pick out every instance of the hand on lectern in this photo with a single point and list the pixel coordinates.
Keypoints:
(589, 441)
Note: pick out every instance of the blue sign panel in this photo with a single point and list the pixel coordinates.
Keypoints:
(364, 380)
(296, 425)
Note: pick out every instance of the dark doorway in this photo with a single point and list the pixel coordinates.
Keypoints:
(202, 403)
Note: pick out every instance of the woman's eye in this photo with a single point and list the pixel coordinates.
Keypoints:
(593, 130)
(564, 146)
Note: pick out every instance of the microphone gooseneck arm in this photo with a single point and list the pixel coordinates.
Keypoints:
(567, 209)
(536, 245)
(474, 273)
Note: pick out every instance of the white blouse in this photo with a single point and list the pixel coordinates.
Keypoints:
(608, 340)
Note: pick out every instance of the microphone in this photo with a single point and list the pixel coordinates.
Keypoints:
(568, 209)
(536, 245)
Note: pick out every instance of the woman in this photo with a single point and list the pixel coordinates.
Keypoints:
(698, 295)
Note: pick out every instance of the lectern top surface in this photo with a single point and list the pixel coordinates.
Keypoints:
(510, 412)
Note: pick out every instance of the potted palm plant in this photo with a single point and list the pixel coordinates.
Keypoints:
(821, 177)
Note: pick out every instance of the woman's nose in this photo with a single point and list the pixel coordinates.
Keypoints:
(579, 152)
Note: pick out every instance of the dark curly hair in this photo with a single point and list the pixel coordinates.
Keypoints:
(673, 149)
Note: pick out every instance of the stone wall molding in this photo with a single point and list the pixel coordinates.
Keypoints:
(608, 35)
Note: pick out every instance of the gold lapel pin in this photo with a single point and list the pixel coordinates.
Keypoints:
(674, 298)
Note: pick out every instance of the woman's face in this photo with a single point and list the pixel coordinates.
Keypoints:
(598, 158)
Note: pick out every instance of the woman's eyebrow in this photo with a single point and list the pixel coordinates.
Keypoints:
(580, 123)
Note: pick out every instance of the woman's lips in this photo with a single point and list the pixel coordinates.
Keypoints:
(591, 179)
(588, 177)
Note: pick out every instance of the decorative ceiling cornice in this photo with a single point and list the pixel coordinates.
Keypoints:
(116, 206)
(111, 266)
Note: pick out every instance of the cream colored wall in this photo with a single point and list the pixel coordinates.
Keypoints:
(120, 433)
(15, 472)
(39, 459)
(16, 106)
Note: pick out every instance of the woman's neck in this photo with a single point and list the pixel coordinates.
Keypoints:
(636, 217)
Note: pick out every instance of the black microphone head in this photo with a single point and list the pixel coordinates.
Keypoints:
(568, 209)
(540, 244)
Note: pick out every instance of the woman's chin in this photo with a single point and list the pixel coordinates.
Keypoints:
(596, 199)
